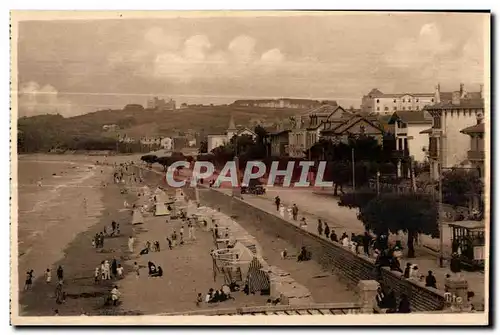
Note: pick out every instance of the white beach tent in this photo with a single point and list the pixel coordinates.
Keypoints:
(161, 209)
(137, 217)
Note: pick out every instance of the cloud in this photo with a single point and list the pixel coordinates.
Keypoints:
(428, 56)
(34, 99)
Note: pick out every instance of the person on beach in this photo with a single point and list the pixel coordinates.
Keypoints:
(151, 268)
(119, 271)
(295, 212)
(277, 202)
(191, 231)
(59, 292)
(345, 240)
(158, 272)
(169, 243)
(131, 244)
(96, 275)
(114, 266)
(103, 270)
(113, 226)
(157, 246)
(303, 222)
(148, 246)
(199, 300)
(320, 227)
(48, 276)
(216, 231)
(174, 238)
(101, 240)
(115, 295)
(430, 280)
(60, 273)
(181, 231)
(107, 270)
(289, 215)
(29, 280)
(136, 269)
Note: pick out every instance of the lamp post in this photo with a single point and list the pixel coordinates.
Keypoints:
(353, 172)
(378, 182)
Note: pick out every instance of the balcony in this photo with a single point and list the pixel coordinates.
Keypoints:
(399, 154)
(475, 155)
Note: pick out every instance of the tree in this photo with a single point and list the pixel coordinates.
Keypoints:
(203, 147)
(149, 159)
(411, 213)
(460, 186)
(358, 199)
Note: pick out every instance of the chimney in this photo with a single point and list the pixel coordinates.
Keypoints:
(463, 92)
(461, 89)
(479, 118)
(481, 87)
(437, 94)
(455, 98)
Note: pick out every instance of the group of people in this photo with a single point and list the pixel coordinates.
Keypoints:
(389, 302)
(107, 271)
(148, 247)
(213, 296)
(292, 212)
(154, 271)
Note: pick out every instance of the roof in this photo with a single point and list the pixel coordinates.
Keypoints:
(411, 117)
(427, 131)
(471, 225)
(376, 93)
(475, 129)
(372, 121)
(279, 132)
(464, 103)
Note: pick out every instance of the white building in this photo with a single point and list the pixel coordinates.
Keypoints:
(382, 103)
(214, 141)
(449, 118)
(408, 126)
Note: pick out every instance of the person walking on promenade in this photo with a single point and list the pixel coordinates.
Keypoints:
(320, 227)
(277, 202)
(107, 270)
(333, 236)
(48, 276)
(430, 280)
(366, 243)
(96, 275)
(295, 212)
(29, 280)
(191, 231)
(327, 230)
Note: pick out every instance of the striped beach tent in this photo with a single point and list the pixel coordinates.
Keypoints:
(258, 280)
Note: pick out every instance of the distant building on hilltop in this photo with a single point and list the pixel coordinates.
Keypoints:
(283, 103)
(161, 104)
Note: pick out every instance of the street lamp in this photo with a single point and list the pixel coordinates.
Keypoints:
(378, 182)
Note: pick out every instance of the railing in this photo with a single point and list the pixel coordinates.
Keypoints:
(309, 309)
(475, 155)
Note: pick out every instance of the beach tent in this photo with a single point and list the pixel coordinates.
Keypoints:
(137, 217)
(258, 280)
(161, 209)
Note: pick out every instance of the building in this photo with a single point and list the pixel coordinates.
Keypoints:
(449, 117)
(476, 153)
(279, 141)
(408, 126)
(283, 103)
(216, 140)
(355, 125)
(306, 129)
(166, 143)
(381, 103)
(161, 104)
(179, 143)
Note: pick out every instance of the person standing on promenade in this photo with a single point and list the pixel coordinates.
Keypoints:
(107, 270)
(366, 243)
(295, 212)
(327, 230)
(60, 273)
(131, 244)
(282, 211)
(430, 280)
(29, 280)
(96, 275)
(320, 227)
(277, 201)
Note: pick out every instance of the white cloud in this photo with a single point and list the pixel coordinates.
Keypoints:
(34, 99)
(431, 57)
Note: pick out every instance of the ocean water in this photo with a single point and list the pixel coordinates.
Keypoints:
(51, 215)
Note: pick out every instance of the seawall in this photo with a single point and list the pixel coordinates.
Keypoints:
(350, 267)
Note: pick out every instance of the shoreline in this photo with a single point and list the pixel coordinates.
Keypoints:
(79, 260)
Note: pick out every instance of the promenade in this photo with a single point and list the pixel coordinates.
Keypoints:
(342, 219)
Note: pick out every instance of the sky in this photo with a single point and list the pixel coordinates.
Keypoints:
(73, 67)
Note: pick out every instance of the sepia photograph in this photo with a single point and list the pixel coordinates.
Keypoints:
(250, 167)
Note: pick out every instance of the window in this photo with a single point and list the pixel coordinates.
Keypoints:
(409, 100)
(394, 100)
(437, 122)
(386, 108)
(378, 100)
(403, 100)
(404, 108)
(418, 107)
(395, 108)
(405, 144)
(402, 125)
(378, 108)
(400, 144)
(432, 100)
(417, 100)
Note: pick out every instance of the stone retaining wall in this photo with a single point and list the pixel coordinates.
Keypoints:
(332, 256)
